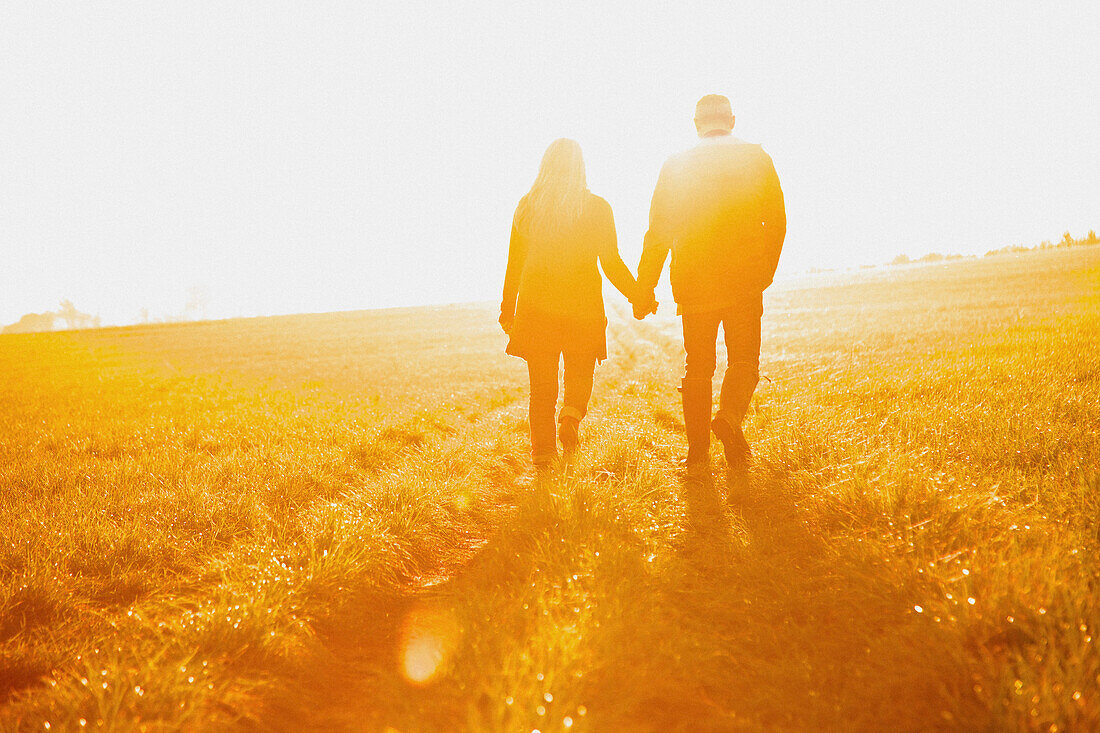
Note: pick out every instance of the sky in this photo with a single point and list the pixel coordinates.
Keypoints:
(247, 158)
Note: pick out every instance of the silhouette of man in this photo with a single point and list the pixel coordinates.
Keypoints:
(719, 208)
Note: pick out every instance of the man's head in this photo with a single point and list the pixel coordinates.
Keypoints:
(713, 116)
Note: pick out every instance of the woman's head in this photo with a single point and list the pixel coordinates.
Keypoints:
(557, 196)
(562, 163)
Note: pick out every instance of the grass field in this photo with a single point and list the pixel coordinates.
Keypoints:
(327, 522)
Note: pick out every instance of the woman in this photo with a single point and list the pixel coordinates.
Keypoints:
(553, 293)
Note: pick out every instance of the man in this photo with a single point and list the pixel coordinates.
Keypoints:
(719, 208)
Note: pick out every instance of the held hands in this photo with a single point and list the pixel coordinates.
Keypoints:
(644, 304)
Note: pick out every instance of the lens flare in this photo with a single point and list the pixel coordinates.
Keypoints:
(429, 636)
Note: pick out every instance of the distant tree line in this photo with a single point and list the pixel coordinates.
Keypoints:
(930, 257)
(67, 315)
(1066, 241)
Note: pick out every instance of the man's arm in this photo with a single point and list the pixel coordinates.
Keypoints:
(773, 218)
(655, 249)
(517, 254)
(658, 239)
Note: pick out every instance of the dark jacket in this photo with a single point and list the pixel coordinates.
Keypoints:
(719, 208)
(552, 285)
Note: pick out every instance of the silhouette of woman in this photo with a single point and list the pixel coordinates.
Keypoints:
(553, 294)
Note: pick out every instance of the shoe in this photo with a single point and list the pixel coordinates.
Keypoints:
(544, 470)
(696, 472)
(696, 397)
(568, 434)
(737, 450)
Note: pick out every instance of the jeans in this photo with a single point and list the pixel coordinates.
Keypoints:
(543, 370)
(741, 327)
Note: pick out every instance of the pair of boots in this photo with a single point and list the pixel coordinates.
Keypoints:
(733, 404)
(543, 450)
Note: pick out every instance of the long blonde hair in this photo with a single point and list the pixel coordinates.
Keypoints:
(557, 196)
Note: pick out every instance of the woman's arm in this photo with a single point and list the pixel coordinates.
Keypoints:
(619, 274)
(613, 266)
(517, 254)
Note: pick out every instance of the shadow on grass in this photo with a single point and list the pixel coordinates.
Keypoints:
(761, 623)
(359, 678)
(749, 619)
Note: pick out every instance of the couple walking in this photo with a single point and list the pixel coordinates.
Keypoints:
(719, 209)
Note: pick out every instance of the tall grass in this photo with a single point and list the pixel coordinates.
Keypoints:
(327, 522)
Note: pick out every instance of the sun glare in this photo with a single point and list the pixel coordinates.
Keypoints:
(543, 367)
(428, 639)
